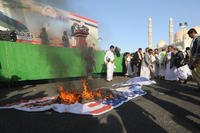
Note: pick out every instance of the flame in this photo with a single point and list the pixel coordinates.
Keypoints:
(99, 94)
(68, 97)
(111, 96)
(86, 94)
(71, 97)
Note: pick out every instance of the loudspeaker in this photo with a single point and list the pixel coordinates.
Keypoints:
(8, 36)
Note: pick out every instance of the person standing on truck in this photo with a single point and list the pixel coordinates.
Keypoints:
(44, 36)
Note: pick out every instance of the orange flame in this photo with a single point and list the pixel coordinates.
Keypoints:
(99, 94)
(86, 94)
(68, 97)
(71, 97)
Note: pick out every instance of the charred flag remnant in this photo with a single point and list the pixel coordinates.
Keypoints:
(92, 107)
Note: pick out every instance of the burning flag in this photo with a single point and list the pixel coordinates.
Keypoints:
(71, 97)
(87, 102)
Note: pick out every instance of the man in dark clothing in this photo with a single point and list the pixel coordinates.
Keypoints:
(179, 59)
(179, 62)
(173, 57)
(44, 36)
(187, 55)
(195, 55)
(65, 39)
(195, 46)
(137, 61)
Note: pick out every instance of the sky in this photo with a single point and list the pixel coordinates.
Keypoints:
(124, 23)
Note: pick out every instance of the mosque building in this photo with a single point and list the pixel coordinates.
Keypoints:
(180, 38)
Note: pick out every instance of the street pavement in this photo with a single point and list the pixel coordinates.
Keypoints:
(167, 107)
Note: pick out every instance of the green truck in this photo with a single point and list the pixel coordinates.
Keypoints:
(21, 62)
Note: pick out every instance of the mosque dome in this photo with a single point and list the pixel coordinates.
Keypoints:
(180, 34)
(182, 39)
(197, 28)
(161, 44)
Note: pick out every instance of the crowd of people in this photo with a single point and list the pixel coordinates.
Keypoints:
(169, 63)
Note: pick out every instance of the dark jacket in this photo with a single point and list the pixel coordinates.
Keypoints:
(195, 51)
(136, 59)
(179, 59)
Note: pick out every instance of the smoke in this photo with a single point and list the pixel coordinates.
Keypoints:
(58, 67)
(55, 28)
(88, 56)
(30, 15)
(62, 4)
(12, 3)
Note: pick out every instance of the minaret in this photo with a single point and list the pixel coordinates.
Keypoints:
(170, 31)
(150, 33)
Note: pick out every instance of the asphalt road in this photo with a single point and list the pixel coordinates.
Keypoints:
(167, 107)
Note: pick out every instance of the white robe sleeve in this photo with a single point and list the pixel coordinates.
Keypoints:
(109, 55)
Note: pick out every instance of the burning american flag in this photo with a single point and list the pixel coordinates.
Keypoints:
(86, 102)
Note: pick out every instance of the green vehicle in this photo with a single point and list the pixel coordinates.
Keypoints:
(21, 62)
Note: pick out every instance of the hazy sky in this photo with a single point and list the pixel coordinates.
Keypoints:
(123, 23)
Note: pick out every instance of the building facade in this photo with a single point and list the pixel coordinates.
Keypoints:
(182, 39)
(28, 18)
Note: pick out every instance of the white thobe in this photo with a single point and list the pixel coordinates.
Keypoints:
(153, 61)
(145, 69)
(183, 72)
(161, 65)
(110, 65)
(170, 74)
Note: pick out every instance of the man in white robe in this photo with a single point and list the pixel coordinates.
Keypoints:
(182, 68)
(170, 72)
(109, 61)
(156, 63)
(147, 66)
(128, 65)
(162, 56)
